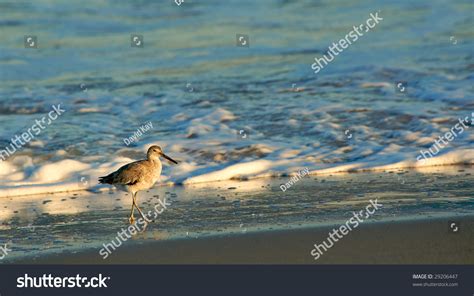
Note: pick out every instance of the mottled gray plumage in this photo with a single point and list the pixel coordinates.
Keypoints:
(137, 176)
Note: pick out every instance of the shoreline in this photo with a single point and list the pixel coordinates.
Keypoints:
(247, 213)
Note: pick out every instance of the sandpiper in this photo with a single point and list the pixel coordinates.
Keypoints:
(137, 176)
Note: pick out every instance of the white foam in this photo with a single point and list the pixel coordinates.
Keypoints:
(215, 152)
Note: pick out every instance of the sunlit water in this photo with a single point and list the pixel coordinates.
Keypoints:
(200, 90)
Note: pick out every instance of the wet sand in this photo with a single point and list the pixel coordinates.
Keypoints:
(255, 222)
(426, 241)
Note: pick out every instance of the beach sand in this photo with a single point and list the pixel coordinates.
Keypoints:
(255, 222)
(426, 241)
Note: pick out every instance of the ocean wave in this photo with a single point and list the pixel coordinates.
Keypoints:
(218, 152)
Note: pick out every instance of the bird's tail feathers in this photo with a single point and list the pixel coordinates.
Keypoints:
(105, 180)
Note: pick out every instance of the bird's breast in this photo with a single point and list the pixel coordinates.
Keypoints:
(156, 172)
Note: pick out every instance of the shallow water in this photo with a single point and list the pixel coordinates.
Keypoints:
(200, 90)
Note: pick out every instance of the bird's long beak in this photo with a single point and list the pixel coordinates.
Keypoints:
(169, 158)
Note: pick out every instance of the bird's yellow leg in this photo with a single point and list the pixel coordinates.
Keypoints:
(140, 211)
(132, 218)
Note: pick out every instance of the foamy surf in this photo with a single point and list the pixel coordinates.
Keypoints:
(210, 150)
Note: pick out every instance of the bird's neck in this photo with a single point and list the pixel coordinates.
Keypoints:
(155, 161)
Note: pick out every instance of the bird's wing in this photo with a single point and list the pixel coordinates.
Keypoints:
(129, 174)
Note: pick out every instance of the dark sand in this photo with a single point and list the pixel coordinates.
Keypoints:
(426, 241)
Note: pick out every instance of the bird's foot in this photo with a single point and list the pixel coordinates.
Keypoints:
(145, 218)
(131, 219)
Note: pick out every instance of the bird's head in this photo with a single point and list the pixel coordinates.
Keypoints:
(154, 153)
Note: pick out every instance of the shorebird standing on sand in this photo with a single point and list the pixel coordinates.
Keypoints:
(137, 176)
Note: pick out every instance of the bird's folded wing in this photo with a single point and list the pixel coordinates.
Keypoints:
(129, 174)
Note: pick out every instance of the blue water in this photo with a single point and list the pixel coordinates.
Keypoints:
(190, 68)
